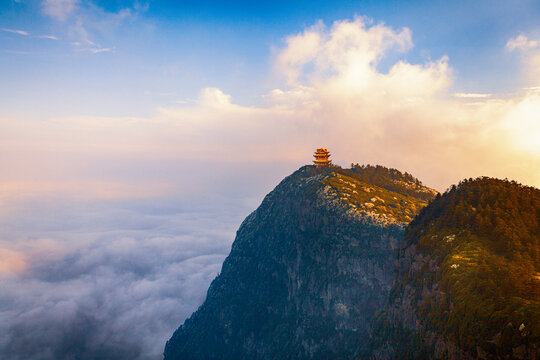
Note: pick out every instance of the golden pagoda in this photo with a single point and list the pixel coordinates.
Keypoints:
(321, 158)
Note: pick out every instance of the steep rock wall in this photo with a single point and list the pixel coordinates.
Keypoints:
(306, 274)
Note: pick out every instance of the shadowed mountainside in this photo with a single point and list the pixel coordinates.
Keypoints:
(330, 266)
(469, 284)
(307, 271)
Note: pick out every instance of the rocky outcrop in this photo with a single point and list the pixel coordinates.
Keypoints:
(307, 272)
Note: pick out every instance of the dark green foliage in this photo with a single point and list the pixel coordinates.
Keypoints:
(504, 213)
(479, 286)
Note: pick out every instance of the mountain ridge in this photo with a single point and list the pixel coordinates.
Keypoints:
(330, 266)
(306, 272)
(469, 286)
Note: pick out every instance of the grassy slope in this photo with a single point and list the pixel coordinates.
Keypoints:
(374, 190)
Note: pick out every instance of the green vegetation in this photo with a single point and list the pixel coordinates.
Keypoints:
(385, 192)
(393, 180)
(484, 235)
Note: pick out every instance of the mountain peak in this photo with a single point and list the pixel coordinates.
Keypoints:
(307, 271)
(386, 195)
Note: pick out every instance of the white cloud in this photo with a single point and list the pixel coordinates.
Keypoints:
(472, 95)
(108, 280)
(26, 33)
(521, 42)
(336, 97)
(87, 24)
(214, 98)
(529, 50)
(99, 50)
(50, 37)
(523, 121)
(349, 46)
(59, 9)
(85, 44)
(19, 32)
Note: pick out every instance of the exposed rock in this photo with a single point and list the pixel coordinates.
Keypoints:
(306, 274)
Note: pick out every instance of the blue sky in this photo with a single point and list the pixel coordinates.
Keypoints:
(113, 60)
(165, 51)
(136, 135)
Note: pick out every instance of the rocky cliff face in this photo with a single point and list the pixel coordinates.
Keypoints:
(307, 272)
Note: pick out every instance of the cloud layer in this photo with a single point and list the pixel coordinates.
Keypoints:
(106, 280)
(529, 50)
(334, 93)
(408, 116)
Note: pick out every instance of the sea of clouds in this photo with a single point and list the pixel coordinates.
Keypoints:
(109, 272)
(107, 279)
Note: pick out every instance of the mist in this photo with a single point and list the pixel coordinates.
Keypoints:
(111, 278)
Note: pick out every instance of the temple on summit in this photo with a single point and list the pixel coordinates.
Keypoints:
(322, 158)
